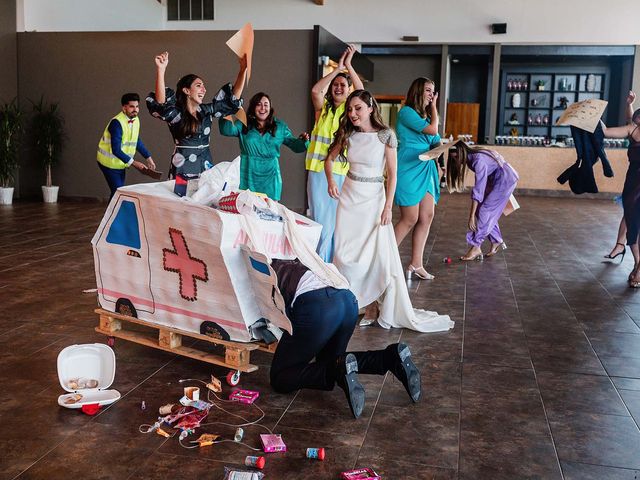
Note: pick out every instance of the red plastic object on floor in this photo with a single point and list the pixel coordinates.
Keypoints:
(91, 409)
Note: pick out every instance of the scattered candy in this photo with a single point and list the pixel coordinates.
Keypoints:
(317, 453)
(257, 462)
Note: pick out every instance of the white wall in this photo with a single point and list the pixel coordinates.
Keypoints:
(363, 21)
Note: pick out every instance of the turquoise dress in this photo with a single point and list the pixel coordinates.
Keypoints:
(260, 155)
(415, 177)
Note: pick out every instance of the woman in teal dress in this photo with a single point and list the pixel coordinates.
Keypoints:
(418, 188)
(260, 143)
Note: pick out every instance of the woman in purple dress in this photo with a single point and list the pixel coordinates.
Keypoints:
(631, 190)
(495, 182)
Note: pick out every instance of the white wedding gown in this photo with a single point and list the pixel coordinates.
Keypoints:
(365, 251)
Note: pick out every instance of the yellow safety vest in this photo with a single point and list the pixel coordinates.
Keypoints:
(130, 133)
(321, 137)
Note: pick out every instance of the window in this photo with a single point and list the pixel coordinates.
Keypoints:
(124, 228)
(190, 10)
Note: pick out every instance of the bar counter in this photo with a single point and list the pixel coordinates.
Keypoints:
(539, 167)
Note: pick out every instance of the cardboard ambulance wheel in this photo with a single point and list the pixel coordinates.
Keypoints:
(125, 307)
(111, 341)
(233, 378)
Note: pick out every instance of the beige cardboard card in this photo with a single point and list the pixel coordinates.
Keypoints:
(242, 44)
(511, 206)
(155, 174)
(584, 115)
(242, 116)
(436, 152)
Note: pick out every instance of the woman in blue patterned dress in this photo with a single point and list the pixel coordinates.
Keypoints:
(189, 117)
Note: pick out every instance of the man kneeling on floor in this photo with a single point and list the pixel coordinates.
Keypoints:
(323, 320)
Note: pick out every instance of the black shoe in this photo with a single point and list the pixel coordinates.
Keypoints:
(347, 379)
(623, 252)
(404, 369)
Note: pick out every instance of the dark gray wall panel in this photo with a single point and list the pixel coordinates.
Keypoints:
(88, 72)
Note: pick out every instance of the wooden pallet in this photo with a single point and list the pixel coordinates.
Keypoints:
(236, 354)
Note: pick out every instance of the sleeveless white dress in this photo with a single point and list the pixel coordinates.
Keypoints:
(365, 251)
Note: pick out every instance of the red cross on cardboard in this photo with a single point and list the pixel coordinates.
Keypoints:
(188, 268)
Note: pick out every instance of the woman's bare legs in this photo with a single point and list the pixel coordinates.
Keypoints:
(426, 213)
(408, 219)
(634, 276)
(621, 240)
(417, 217)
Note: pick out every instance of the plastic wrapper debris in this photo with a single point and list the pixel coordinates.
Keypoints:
(233, 474)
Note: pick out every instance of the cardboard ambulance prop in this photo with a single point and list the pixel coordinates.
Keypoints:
(173, 262)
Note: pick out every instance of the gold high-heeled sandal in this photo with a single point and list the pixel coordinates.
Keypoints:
(478, 256)
(496, 249)
(419, 272)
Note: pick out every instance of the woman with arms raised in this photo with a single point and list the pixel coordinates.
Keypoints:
(189, 117)
(328, 96)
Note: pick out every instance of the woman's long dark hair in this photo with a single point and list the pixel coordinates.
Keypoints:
(346, 128)
(252, 121)
(457, 168)
(415, 95)
(331, 102)
(188, 123)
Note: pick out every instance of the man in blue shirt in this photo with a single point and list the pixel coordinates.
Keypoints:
(119, 143)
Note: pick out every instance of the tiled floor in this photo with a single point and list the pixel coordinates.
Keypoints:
(539, 379)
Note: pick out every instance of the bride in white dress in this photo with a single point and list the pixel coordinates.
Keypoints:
(365, 246)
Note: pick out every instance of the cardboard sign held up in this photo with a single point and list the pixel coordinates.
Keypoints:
(436, 152)
(155, 174)
(241, 43)
(242, 116)
(585, 114)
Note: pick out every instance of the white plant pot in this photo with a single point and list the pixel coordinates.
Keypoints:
(50, 194)
(6, 195)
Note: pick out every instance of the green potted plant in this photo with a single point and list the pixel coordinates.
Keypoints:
(10, 130)
(48, 140)
(541, 84)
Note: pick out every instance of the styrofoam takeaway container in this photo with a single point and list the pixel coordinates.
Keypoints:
(91, 361)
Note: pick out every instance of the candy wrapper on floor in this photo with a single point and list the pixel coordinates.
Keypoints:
(233, 474)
